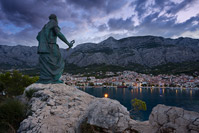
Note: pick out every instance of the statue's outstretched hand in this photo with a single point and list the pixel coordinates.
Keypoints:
(71, 44)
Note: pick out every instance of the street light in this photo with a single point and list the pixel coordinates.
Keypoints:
(105, 95)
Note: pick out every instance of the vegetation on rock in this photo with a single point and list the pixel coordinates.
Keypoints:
(138, 105)
(12, 111)
(29, 93)
(13, 84)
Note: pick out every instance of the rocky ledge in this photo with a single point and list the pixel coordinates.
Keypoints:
(58, 108)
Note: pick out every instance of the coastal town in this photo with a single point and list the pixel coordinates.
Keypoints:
(133, 79)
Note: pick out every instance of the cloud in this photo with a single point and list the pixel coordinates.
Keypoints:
(165, 26)
(120, 24)
(175, 8)
(34, 12)
(162, 17)
(102, 27)
(106, 6)
(95, 20)
(143, 7)
(30, 16)
(191, 34)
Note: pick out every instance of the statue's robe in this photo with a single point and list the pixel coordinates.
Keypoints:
(50, 59)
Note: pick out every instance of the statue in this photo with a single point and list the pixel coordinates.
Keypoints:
(50, 59)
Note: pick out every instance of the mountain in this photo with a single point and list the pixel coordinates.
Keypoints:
(147, 51)
(139, 53)
(19, 56)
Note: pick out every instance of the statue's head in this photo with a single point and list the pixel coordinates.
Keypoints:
(53, 16)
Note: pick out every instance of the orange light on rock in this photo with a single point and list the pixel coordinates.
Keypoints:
(106, 95)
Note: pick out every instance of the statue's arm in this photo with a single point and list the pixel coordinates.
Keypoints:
(61, 36)
(38, 36)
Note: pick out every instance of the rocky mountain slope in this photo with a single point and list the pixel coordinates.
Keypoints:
(19, 56)
(148, 51)
(58, 108)
(145, 50)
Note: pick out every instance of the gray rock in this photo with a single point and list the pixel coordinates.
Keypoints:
(52, 115)
(173, 119)
(60, 108)
(108, 114)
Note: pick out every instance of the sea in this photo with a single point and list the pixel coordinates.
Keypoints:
(187, 99)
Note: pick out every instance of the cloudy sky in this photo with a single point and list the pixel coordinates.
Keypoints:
(96, 20)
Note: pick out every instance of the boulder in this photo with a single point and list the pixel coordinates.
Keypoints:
(167, 119)
(55, 108)
(113, 117)
(108, 114)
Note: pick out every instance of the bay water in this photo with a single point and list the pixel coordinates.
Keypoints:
(185, 98)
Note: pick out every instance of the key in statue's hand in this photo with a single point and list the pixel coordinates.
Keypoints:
(71, 44)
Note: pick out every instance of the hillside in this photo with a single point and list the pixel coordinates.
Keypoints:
(146, 54)
(19, 57)
(147, 51)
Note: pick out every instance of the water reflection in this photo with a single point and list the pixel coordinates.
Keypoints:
(190, 93)
(123, 91)
(132, 91)
(185, 98)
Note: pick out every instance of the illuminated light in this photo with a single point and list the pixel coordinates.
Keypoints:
(131, 90)
(123, 91)
(190, 92)
(106, 95)
(163, 91)
(176, 91)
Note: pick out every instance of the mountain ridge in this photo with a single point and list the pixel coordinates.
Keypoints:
(146, 51)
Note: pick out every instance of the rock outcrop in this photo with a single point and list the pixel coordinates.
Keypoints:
(112, 117)
(55, 108)
(165, 119)
(58, 108)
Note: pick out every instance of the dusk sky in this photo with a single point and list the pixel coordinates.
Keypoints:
(96, 20)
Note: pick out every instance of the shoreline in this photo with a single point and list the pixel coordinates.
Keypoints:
(130, 87)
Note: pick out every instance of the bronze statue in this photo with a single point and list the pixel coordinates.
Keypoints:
(50, 59)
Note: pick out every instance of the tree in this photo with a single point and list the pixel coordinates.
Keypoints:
(12, 112)
(15, 82)
(138, 105)
(2, 87)
(91, 84)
